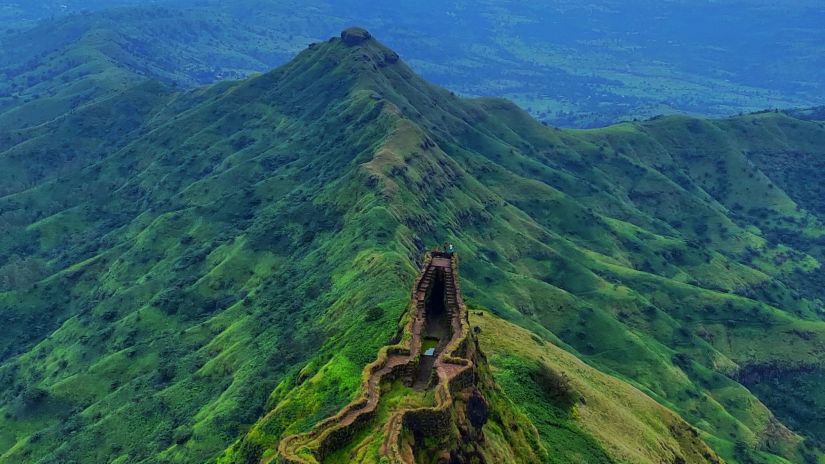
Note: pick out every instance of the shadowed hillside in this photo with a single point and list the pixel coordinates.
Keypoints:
(211, 270)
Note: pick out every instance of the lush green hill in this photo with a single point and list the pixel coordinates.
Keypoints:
(188, 276)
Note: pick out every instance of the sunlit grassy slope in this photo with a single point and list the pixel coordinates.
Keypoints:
(586, 416)
(187, 276)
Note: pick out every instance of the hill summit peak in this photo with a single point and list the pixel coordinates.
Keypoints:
(355, 36)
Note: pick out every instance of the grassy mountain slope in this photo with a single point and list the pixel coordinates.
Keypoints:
(621, 423)
(173, 278)
(220, 264)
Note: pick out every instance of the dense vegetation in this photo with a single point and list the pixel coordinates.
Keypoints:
(188, 275)
(568, 62)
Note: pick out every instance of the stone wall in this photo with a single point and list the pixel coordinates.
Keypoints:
(457, 374)
(329, 435)
(436, 422)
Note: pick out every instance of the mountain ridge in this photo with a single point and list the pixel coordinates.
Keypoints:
(490, 102)
(262, 234)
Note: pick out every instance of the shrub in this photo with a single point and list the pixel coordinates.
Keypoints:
(28, 400)
(250, 453)
(182, 435)
(33, 396)
(373, 314)
(556, 385)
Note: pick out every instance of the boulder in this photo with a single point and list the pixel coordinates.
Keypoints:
(390, 57)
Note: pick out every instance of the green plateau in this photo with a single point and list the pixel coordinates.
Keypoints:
(193, 275)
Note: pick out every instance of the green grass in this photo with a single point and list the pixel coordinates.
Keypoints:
(572, 405)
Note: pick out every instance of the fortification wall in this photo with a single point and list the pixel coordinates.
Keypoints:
(453, 369)
(393, 362)
(456, 373)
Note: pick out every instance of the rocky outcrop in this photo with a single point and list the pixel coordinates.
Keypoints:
(355, 36)
(390, 57)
